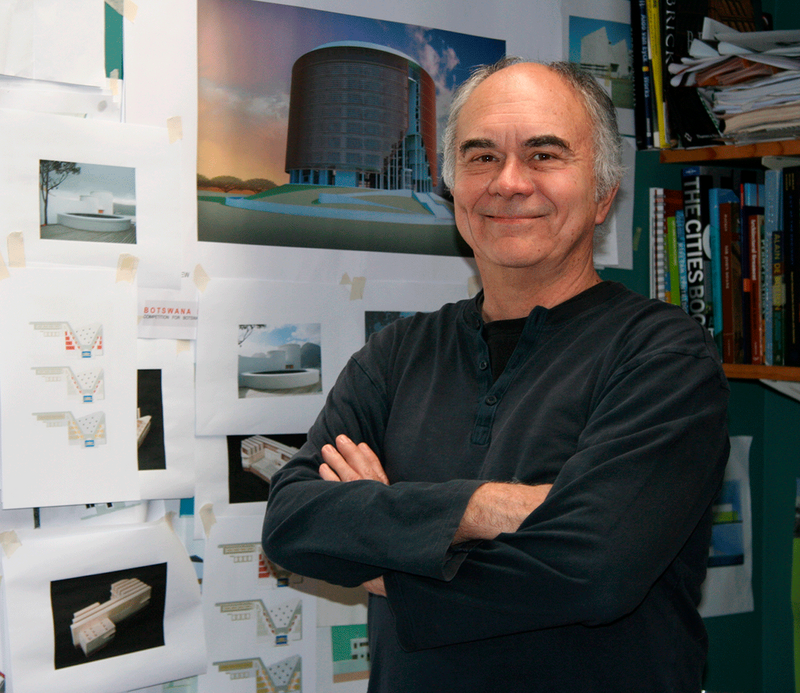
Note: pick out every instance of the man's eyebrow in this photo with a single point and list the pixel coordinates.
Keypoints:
(476, 143)
(547, 141)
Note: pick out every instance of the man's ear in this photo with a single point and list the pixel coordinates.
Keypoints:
(604, 206)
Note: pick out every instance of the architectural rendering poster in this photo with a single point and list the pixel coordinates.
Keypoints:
(107, 189)
(728, 587)
(95, 608)
(352, 166)
(165, 418)
(597, 36)
(264, 618)
(68, 383)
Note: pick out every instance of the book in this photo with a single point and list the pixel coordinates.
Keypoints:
(680, 233)
(642, 106)
(753, 221)
(791, 186)
(772, 272)
(695, 186)
(717, 196)
(731, 260)
(654, 42)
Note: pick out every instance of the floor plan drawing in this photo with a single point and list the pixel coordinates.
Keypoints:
(82, 342)
(88, 385)
(278, 624)
(87, 431)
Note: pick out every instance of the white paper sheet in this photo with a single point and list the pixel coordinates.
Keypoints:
(264, 618)
(728, 587)
(27, 138)
(168, 445)
(68, 365)
(47, 40)
(229, 398)
(54, 570)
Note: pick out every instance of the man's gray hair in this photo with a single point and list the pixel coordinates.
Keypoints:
(608, 168)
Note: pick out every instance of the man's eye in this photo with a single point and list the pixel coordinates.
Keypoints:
(542, 156)
(484, 158)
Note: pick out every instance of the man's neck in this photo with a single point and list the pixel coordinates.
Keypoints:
(505, 299)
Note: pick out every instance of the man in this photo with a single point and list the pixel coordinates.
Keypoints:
(522, 481)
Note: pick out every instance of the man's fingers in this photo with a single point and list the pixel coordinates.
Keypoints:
(337, 466)
(361, 459)
(327, 473)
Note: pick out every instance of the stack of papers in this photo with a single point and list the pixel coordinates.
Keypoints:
(750, 81)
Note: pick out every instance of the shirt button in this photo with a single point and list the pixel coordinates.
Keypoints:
(483, 365)
(491, 400)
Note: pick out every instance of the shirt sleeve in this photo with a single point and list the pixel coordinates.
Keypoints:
(348, 533)
(647, 467)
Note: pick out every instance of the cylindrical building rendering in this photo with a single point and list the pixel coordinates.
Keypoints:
(361, 115)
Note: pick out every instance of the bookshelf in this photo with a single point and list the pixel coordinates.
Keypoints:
(728, 154)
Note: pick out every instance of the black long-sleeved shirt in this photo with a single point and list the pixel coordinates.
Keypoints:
(616, 400)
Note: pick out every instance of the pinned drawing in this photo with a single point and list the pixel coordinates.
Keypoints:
(284, 676)
(278, 624)
(87, 202)
(270, 575)
(279, 360)
(94, 626)
(350, 652)
(86, 385)
(87, 431)
(82, 342)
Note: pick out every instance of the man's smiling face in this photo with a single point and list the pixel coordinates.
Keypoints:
(524, 186)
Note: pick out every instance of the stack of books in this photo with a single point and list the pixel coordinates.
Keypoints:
(726, 248)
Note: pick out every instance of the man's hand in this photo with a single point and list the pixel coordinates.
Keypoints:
(350, 462)
(496, 508)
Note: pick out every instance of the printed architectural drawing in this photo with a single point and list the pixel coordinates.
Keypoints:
(282, 677)
(88, 385)
(279, 624)
(264, 456)
(94, 626)
(88, 431)
(269, 574)
(83, 342)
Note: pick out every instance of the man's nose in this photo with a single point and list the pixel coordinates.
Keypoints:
(514, 177)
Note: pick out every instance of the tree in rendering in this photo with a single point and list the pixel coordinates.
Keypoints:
(51, 175)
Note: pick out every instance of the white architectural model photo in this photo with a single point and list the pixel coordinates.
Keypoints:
(264, 456)
(94, 626)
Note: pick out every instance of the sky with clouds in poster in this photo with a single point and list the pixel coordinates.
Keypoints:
(246, 49)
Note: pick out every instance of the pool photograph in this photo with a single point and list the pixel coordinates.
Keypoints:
(87, 202)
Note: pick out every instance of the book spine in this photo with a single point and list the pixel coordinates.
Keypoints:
(792, 343)
(772, 182)
(680, 234)
(674, 267)
(642, 97)
(657, 287)
(726, 262)
(656, 70)
(698, 257)
(714, 195)
(778, 299)
(754, 223)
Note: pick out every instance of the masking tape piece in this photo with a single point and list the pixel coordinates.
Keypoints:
(175, 129)
(182, 345)
(126, 267)
(207, 518)
(473, 285)
(346, 281)
(357, 288)
(113, 82)
(637, 235)
(16, 249)
(10, 542)
(127, 8)
(4, 273)
(200, 278)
